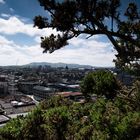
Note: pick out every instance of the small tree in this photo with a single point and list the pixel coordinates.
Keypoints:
(100, 83)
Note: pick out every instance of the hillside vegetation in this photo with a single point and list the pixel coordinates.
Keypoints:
(115, 118)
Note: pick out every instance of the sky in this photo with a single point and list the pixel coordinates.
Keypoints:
(20, 41)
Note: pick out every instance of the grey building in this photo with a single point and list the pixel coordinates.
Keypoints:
(41, 92)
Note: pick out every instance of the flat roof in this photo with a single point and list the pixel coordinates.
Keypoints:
(1, 125)
(29, 83)
(73, 86)
(66, 94)
(18, 114)
(42, 88)
(3, 119)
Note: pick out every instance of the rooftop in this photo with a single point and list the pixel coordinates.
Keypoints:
(42, 88)
(3, 119)
(66, 94)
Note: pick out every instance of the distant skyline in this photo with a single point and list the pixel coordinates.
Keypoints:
(20, 41)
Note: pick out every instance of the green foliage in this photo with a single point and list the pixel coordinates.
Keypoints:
(128, 127)
(32, 127)
(56, 121)
(104, 119)
(134, 94)
(54, 41)
(12, 130)
(53, 102)
(100, 83)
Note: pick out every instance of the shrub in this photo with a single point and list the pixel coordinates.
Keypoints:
(101, 83)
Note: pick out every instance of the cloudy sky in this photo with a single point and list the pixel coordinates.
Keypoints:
(20, 41)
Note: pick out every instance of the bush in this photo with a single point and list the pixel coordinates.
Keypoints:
(101, 83)
(104, 120)
(55, 101)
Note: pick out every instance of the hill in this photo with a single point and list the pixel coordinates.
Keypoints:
(56, 65)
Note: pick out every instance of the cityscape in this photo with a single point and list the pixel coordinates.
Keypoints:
(23, 87)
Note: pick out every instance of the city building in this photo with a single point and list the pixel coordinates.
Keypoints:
(27, 87)
(41, 92)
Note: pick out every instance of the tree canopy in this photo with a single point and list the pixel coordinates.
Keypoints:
(93, 17)
(100, 83)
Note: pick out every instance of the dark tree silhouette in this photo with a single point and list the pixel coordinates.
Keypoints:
(93, 17)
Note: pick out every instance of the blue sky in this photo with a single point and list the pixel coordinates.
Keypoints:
(20, 41)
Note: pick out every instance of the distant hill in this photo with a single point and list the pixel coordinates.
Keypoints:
(56, 65)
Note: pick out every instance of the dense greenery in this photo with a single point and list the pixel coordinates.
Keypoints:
(61, 119)
(94, 17)
(100, 83)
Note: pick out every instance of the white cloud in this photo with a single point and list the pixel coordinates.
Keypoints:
(5, 15)
(14, 25)
(90, 51)
(94, 53)
(2, 1)
(12, 10)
